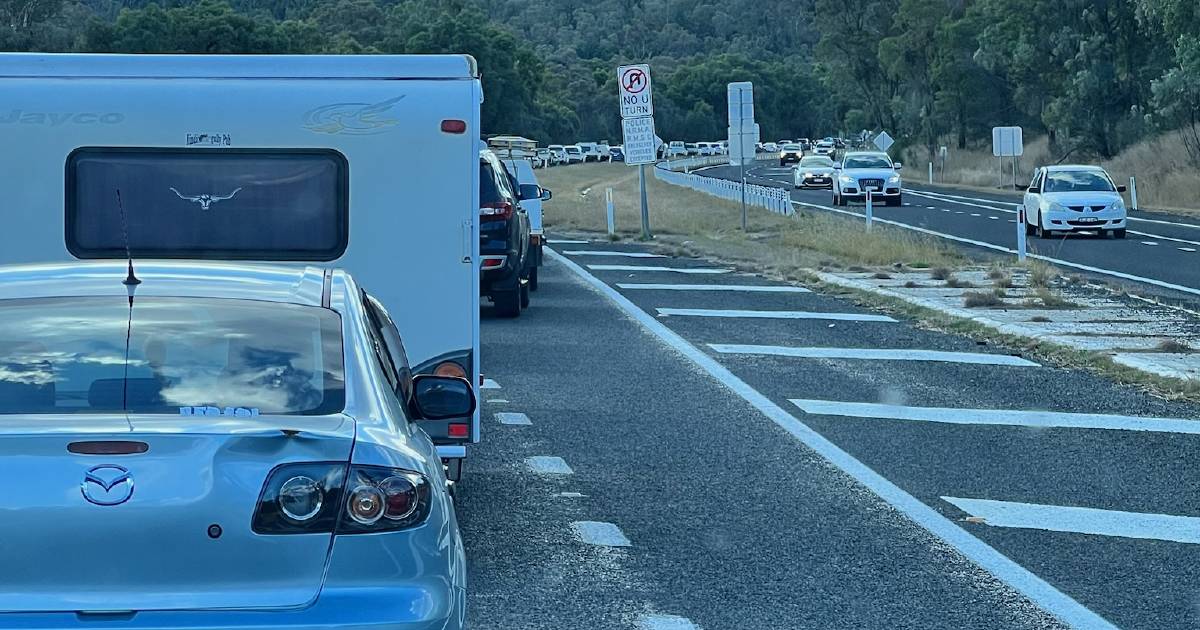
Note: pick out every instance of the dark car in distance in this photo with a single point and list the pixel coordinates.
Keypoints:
(504, 248)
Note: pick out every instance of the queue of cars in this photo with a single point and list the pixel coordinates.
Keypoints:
(240, 343)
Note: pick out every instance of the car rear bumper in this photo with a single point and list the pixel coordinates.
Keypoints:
(366, 608)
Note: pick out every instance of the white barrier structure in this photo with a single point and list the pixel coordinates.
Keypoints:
(777, 200)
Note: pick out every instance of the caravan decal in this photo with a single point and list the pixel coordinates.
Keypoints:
(356, 119)
(57, 119)
(206, 201)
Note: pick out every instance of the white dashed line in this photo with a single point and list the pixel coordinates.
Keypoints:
(994, 218)
(1015, 576)
(490, 384)
(947, 210)
(875, 354)
(511, 417)
(585, 252)
(1150, 243)
(666, 622)
(959, 212)
(841, 317)
(1001, 417)
(600, 533)
(930, 208)
(748, 288)
(498, 400)
(975, 214)
(1186, 249)
(1082, 520)
(548, 465)
(641, 268)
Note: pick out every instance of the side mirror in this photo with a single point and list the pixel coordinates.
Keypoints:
(1021, 186)
(441, 397)
(1032, 189)
(529, 191)
(897, 166)
(546, 195)
(1121, 188)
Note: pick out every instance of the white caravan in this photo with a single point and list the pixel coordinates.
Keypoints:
(368, 163)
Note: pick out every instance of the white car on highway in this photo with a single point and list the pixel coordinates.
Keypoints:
(825, 147)
(676, 149)
(1072, 199)
(867, 171)
(815, 171)
(575, 154)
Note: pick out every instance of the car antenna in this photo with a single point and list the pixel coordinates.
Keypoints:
(131, 280)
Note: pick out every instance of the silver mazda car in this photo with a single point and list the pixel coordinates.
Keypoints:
(218, 446)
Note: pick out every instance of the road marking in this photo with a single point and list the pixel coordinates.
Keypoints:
(555, 241)
(999, 417)
(1150, 243)
(1012, 220)
(641, 268)
(549, 465)
(994, 218)
(875, 354)
(600, 533)
(1186, 249)
(512, 417)
(1000, 248)
(974, 214)
(706, 312)
(930, 208)
(587, 252)
(959, 212)
(497, 400)
(748, 288)
(1002, 567)
(1081, 520)
(953, 199)
(666, 622)
(490, 384)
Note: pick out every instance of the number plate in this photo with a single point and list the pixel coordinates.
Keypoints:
(1089, 220)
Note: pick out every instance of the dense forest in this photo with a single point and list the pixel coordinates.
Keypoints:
(1094, 75)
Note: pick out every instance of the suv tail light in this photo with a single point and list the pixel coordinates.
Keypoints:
(324, 497)
(495, 211)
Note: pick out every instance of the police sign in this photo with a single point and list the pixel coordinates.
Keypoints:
(636, 99)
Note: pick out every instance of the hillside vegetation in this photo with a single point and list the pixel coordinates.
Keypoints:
(1093, 76)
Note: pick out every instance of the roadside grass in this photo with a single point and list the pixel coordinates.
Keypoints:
(706, 225)
(1165, 179)
(981, 299)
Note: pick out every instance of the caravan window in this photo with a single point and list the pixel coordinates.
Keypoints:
(202, 203)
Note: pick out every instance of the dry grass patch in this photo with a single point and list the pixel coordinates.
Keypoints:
(1171, 345)
(940, 273)
(981, 299)
(958, 283)
(1040, 319)
(1045, 298)
(911, 285)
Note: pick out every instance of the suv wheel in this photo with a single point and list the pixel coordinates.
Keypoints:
(508, 303)
(533, 275)
(524, 292)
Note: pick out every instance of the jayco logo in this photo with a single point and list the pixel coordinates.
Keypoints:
(57, 119)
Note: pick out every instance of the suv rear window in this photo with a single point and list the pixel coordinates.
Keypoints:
(489, 192)
(241, 357)
(244, 204)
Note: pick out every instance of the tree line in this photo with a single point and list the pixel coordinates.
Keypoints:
(1094, 75)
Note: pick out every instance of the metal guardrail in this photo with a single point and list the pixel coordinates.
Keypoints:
(691, 163)
(777, 200)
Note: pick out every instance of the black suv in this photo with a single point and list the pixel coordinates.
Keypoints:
(503, 238)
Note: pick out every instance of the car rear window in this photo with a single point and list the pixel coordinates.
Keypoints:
(245, 204)
(489, 192)
(187, 356)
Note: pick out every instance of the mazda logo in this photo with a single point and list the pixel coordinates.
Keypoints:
(107, 484)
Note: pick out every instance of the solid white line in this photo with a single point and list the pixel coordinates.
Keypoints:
(1186, 249)
(875, 354)
(548, 465)
(999, 417)
(586, 252)
(489, 384)
(999, 248)
(600, 533)
(1081, 520)
(1014, 575)
(641, 268)
(554, 241)
(497, 400)
(706, 312)
(1150, 243)
(954, 199)
(748, 288)
(512, 417)
(666, 622)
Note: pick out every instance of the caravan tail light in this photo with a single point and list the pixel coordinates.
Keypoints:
(495, 211)
(449, 368)
(454, 126)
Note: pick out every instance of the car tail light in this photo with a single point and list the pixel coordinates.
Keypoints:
(459, 430)
(449, 368)
(495, 211)
(308, 499)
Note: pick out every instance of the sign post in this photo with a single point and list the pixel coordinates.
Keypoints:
(1007, 142)
(612, 222)
(637, 126)
(1022, 233)
(870, 217)
(743, 132)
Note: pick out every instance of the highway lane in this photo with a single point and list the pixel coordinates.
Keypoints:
(1162, 251)
(734, 520)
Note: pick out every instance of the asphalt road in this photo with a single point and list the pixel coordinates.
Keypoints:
(1161, 251)
(741, 510)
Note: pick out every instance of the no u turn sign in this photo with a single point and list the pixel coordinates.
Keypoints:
(636, 99)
